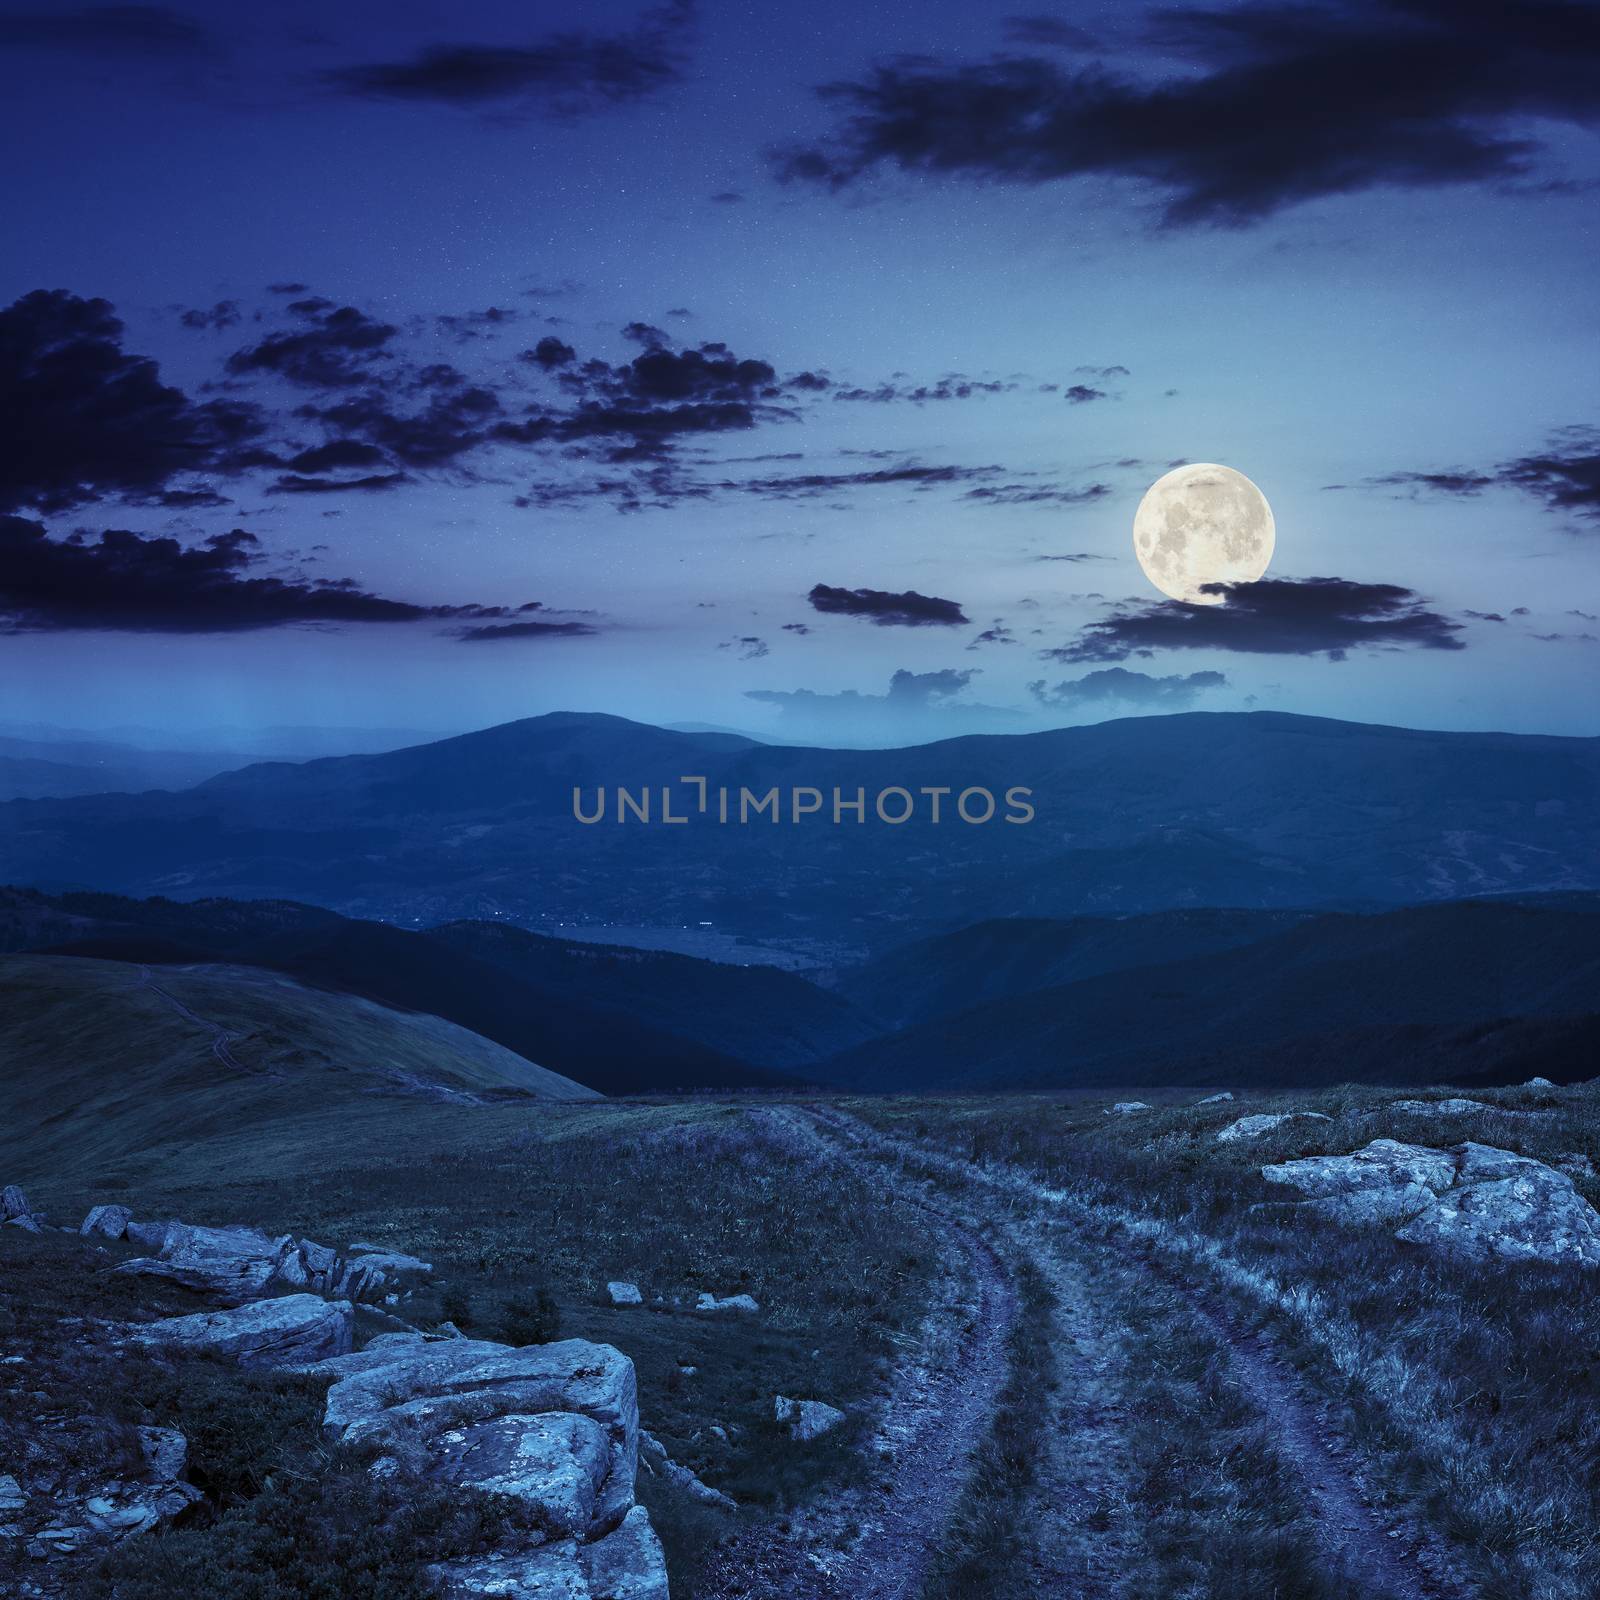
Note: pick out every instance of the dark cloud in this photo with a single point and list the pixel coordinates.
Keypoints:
(1078, 394)
(996, 633)
(337, 455)
(1564, 476)
(1450, 92)
(105, 30)
(224, 314)
(907, 610)
(434, 432)
(492, 633)
(291, 483)
(645, 333)
(137, 583)
(917, 705)
(464, 325)
(1275, 616)
(954, 386)
(564, 74)
(750, 647)
(85, 419)
(338, 346)
(287, 288)
(1036, 494)
(1075, 556)
(1117, 685)
(797, 627)
(550, 352)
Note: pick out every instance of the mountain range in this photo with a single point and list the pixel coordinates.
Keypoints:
(1252, 811)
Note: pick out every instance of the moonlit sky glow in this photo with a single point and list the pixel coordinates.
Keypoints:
(673, 389)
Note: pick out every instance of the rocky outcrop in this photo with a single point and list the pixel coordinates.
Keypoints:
(235, 1265)
(706, 1301)
(109, 1222)
(15, 1210)
(654, 1454)
(624, 1294)
(1472, 1200)
(805, 1419)
(1215, 1099)
(289, 1330)
(136, 1503)
(1124, 1108)
(1253, 1127)
(555, 1425)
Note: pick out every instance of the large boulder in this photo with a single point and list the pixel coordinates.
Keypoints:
(555, 1425)
(1472, 1200)
(288, 1331)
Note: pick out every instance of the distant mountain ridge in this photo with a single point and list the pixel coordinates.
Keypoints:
(1254, 810)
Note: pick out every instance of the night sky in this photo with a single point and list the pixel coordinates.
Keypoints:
(795, 369)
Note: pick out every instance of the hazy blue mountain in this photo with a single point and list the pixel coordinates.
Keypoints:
(1255, 810)
(1383, 998)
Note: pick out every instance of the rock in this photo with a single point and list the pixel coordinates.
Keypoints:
(291, 1330)
(1575, 1164)
(806, 1419)
(1253, 1127)
(392, 1263)
(1538, 1083)
(14, 1203)
(27, 1222)
(706, 1301)
(110, 1222)
(1124, 1108)
(1386, 1182)
(1456, 1107)
(556, 1426)
(1215, 1099)
(12, 1497)
(165, 1451)
(403, 1396)
(625, 1564)
(681, 1477)
(624, 1294)
(235, 1265)
(1472, 1200)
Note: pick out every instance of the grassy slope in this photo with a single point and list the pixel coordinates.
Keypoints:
(100, 1065)
(527, 1211)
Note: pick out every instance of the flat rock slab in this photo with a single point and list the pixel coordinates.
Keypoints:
(1252, 1127)
(288, 1331)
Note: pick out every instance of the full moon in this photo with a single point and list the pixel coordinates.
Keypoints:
(1202, 524)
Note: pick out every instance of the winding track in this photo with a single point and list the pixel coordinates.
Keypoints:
(221, 1039)
(1073, 1556)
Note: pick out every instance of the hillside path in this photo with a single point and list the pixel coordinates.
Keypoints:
(1080, 1537)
